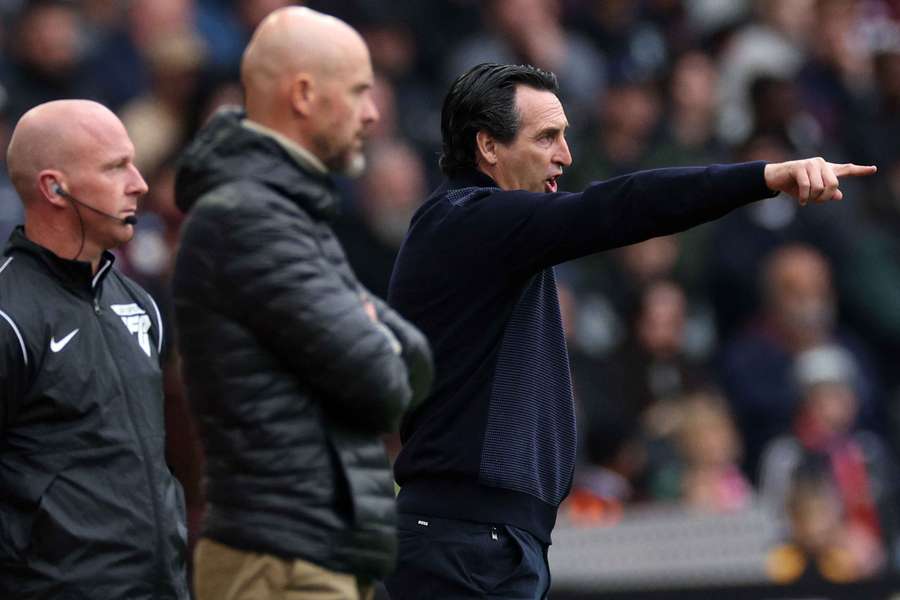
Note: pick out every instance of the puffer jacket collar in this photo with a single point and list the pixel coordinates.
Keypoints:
(226, 151)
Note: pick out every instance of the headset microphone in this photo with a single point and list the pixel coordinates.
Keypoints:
(129, 220)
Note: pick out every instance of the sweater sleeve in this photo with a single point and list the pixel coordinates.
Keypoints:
(541, 230)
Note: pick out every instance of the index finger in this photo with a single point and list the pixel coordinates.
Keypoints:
(852, 170)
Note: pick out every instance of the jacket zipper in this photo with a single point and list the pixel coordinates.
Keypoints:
(144, 452)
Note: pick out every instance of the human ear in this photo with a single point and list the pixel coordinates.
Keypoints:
(486, 147)
(51, 188)
(302, 94)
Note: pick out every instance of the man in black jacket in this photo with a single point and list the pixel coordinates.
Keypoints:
(88, 506)
(487, 460)
(293, 367)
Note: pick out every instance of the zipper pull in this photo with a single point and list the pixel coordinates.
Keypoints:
(96, 305)
(495, 534)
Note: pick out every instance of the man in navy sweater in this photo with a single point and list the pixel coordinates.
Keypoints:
(488, 458)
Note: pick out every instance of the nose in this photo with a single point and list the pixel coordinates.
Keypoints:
(370, 111)
(138, 185)
(563, 155)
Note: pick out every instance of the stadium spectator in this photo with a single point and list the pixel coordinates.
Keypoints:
(11, 211)
(385, 200)
(706, 475)
(838, 70)
(641, 382)
(633, 46)
(819, 547)
(775, 45)
(119, 65)
(621, 140)
(628, 419)
(156, 119)
(799, 313)
(689, 121)
(777, 113)
(531, 32)
(825, 429)
(740, 243)
(46, 58)
(871, 270)
(602, 481)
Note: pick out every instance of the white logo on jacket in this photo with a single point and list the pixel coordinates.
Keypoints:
(57, 346)
(137, 322)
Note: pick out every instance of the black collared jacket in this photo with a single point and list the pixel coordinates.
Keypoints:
(88, 506)
(293, 382)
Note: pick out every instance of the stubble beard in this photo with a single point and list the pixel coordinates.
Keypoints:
(355, 165)
(349, 161)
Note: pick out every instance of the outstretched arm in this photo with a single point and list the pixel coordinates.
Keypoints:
(539, 230)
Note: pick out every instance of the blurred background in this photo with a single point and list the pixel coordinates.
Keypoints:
(737, 385)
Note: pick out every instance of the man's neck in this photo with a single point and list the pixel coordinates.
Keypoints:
(484, 170)
(64, 243)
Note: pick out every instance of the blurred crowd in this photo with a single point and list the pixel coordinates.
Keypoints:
(748, 360)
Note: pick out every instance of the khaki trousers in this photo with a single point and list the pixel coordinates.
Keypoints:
(225, 573)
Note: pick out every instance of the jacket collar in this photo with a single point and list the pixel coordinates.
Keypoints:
(226, 151)
(74, 274)
(303, 157)
(471, 178)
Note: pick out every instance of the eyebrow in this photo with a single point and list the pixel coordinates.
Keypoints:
(115, 162)
(554, 129)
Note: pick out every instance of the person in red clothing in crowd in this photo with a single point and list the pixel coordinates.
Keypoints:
(857, 461)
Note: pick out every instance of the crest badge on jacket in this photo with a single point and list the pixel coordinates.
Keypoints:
(137, 321)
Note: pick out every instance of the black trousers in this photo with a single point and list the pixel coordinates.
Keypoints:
(448, 559)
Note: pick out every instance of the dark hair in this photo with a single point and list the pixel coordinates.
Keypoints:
(484, 98)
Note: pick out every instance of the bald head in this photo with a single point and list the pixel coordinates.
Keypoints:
(72, 163)
(56, 135)
(291, 41)
(308, 76)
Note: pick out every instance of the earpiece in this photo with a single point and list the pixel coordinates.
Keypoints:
(59, 191)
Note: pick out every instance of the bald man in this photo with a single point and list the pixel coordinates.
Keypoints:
(89, 508)
(293, 367)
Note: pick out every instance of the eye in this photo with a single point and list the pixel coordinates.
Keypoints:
(117, 165)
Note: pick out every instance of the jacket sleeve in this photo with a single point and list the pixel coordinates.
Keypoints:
(282, 286)
(416, 351)
(13, 370)
(541, 230)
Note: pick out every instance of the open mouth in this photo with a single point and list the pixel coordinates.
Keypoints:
(550, 184)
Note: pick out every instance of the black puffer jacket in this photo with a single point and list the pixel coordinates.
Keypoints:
(292, 381)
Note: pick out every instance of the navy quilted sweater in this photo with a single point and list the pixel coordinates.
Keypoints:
(495, 441)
